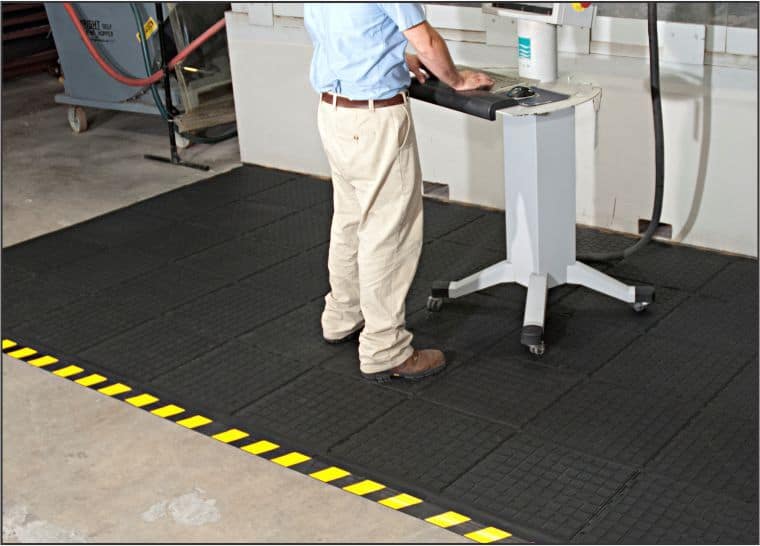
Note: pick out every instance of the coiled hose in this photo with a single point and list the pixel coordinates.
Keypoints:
(659, 145)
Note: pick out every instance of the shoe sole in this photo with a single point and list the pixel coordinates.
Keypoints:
(387, 377)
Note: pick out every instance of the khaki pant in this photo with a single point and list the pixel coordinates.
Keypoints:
(376, 235)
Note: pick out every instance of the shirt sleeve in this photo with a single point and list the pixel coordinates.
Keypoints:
(405, 15)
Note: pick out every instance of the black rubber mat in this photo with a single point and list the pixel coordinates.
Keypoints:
(738, 281)
(444, 260)
(298, 193)
(242, 216)
(672, 266)
(148, 350)
(300, 231)
(32, 299)
(320, 408)
(580, 345)
(442, 218)
(731, 326)
(233, 311)
(740, 397)
(107, 268)
(656, 510)
(194, 200)
(423, 443)
(584, 304)
(163, 289)
(82, 324)
(488, 231)
(42, 254)
(307, 274)
(716, 451)
(503, 389)
(211, 296)
(233, 375)
(470, 324)
(177, 240)
(671, 368)
(303, 324)
(14, 275)
(238, 258)
(541, 485)
(612, 422)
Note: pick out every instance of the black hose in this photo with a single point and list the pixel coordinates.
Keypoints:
(659, 145)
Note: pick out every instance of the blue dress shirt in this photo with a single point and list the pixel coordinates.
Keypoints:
(359, 47)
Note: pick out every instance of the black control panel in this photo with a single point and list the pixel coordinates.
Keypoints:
(480, 103)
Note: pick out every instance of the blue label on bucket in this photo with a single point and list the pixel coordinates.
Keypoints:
(523, 47)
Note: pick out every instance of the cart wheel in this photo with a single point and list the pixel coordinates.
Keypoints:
(537, 349)
(77, 119)
(639, 306)
(182, 142)
(434, 304)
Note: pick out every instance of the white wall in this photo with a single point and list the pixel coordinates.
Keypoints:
(710, 122)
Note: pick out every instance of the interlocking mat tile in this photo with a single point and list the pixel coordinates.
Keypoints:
(395, 444)
(614, 423)
(657, 510)
(204, 303)
(539, 485)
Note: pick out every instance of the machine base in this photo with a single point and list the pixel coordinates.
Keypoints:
(532, 334)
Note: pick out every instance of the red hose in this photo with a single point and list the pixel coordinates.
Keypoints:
(138, 82)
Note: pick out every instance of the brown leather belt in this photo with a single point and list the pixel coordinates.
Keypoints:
(343, 102)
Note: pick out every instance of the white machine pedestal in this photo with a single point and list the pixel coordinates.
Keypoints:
(539, 167)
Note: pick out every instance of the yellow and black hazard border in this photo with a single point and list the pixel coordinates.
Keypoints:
(261, 447)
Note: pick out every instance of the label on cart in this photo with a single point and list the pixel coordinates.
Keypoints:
(523, 47)
(150, 27)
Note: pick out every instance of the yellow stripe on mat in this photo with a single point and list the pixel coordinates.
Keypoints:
(43, 361)
(194, 422)
(230, 435)
(262, 446)
(400, 501)
(488, 534)
(116, 388)
(142, 400)
(22, 353)
(364, 487)
(168, 411)
(291, 459)
(447, 519)
(68, 371)
(330, 474)
(90, 380)
(8, 343)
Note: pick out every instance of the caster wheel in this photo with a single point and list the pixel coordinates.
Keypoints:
(639, 306)
(434, 304)
(537, 350)
(77, 119)
(182, 142)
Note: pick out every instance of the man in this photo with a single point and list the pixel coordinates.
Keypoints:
(361, 70)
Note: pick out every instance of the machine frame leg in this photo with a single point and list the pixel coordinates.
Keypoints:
(498, 273)
(532, 334)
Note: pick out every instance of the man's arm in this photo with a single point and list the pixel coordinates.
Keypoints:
(434, 54)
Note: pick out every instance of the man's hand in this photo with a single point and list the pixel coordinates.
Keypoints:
(434, 54)
(469, 80)
(416, 67)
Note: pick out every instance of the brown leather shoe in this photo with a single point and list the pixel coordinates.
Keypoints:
(420, 365)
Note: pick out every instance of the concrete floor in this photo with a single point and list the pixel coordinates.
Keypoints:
(78, 466)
